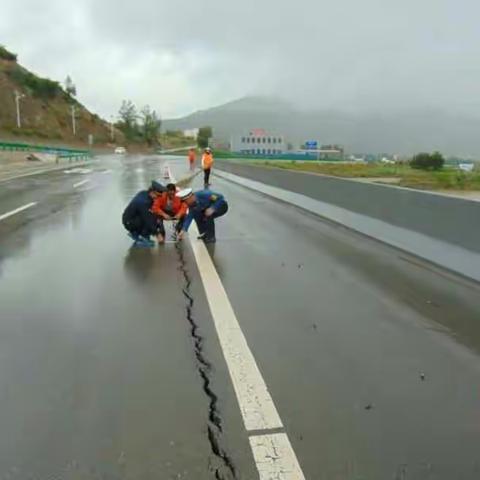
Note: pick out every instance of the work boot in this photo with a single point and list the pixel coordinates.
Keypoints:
(201, 236)
(145, 242)
(207, 240)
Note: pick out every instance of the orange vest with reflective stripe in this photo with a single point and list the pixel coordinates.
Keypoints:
(207, 161)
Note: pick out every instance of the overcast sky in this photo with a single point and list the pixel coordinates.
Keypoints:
(183, 55)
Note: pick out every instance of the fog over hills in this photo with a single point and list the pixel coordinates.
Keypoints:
(393, 131)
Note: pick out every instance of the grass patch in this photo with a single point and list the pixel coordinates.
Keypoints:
(445, 179)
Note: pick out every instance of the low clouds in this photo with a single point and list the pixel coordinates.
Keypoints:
(185, 55)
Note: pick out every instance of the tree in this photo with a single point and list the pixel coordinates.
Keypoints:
(6, 55)
(151, 124)
(204, 135)
(427, 161)
(128, 119)
(437, 160)
(70, 88)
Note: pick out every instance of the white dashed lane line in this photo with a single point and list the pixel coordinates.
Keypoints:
(17, 210)
(79, 184)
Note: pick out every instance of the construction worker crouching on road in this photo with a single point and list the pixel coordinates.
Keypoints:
(207, 164)
(169, 207)
(203, 207)
(138, 218)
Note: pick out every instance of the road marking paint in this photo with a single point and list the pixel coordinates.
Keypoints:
(256, 405)
(273, 453)
(83, 171)
(79, 184)
(17, 210)
(32, 172)
(107, 171)
(275, 457)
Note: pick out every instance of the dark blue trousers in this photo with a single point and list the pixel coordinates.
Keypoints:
(207, 224)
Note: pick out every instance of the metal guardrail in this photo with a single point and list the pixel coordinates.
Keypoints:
(59, 151)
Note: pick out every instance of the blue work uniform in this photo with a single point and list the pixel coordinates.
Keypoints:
(206, 225)
(138, 218)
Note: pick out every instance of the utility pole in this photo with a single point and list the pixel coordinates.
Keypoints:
(112, 133)
(18, 97)
(74, 126)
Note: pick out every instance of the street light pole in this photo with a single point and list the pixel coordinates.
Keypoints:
(74, 126)
(18, 97)
(112, 133)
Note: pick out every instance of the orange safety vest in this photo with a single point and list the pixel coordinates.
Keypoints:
(207, 161)
(179, 208)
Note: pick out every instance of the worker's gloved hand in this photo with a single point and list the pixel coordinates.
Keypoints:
(167, 217)
(209, 212)
(180, 235)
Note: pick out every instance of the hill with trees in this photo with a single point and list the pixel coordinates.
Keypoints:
(45, 108)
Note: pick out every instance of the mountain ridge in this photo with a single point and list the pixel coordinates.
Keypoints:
(392, 131)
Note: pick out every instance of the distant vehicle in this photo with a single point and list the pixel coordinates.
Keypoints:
(466, 167)
(387, 160)
(120, 150)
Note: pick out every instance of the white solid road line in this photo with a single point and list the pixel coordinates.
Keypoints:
(273, 453)
(17, 210)
(275, 457)
(256, 404)
(79, 184)
(272, 450)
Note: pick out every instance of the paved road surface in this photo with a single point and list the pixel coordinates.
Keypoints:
(99, 349)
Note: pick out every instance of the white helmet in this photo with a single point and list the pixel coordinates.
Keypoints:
(208, 149)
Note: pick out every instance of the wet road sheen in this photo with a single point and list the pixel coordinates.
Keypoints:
(370, 356)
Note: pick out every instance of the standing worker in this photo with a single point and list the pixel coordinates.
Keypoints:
(169, 207)
(203, 207)
(207, 164)
(192, 157)
(138, 219)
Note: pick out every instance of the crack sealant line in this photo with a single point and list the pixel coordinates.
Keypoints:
(272, 451)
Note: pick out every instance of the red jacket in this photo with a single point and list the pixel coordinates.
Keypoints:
(178, 207)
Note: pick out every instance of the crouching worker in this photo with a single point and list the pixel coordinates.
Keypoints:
(203, 207)
(138, 219)
(169, 207)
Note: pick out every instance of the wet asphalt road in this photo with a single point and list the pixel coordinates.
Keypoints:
(371, 356)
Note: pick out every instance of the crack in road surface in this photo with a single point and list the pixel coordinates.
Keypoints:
(221, 464)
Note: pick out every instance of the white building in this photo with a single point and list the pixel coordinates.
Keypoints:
(191, 133)
(258, 142)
